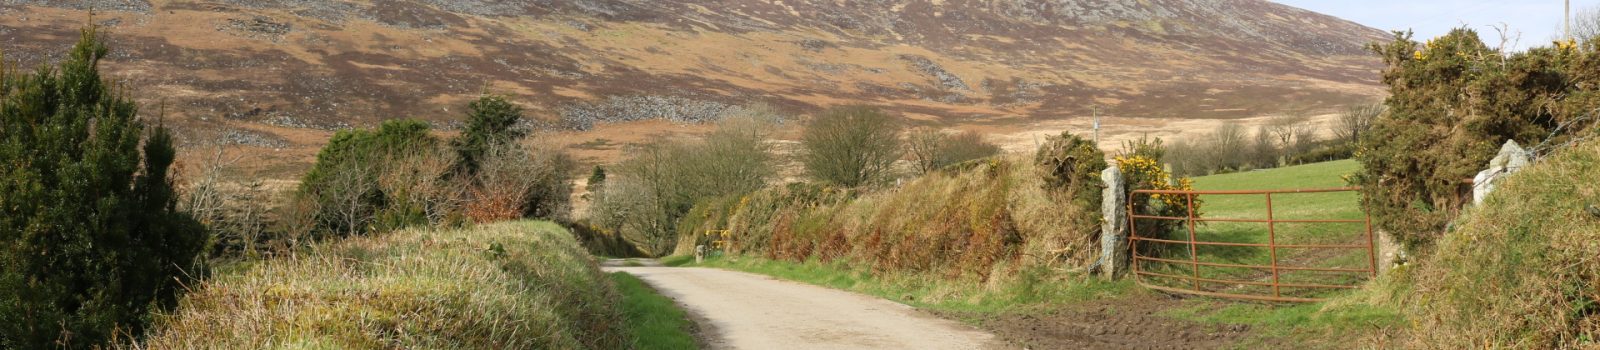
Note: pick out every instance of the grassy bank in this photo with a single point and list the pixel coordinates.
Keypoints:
(1521, 271)
(510, 285)
(1041, 289)
(985, 225)
(654, 321)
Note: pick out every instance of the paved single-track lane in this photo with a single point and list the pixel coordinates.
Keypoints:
(748, 311)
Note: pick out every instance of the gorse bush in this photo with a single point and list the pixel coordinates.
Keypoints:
(646, 195)
(90, 239)
(1453, 101)
(931, 149)
(345, 181)
(981, 222)
(977, 224)
(851, 145)
(399, 175)
(1142, 171)
(1070, 168)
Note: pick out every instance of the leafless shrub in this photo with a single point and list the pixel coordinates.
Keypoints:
(516, 181)
(235, 211)
(851, 145)
(646, 195)
(419, 179)
(350, 192)
(1223, 149)
(931, 149)
(1356, 120)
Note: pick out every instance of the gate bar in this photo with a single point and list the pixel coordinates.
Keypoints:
(1263, 267)
(1232, 244)
(1251, 283)
(1353, 221)
(1272, 246)
(1194, 252)
(1272, 242)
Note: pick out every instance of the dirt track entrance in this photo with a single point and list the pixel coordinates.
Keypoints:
(1297, 255)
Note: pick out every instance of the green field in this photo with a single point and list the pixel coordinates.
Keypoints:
(1285, 206)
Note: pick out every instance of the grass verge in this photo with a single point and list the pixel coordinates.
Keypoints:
(509, 285)
(1031, 288)
(654, 320)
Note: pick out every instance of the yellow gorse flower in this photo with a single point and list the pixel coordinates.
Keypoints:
(1566, 45)
(1141, 167)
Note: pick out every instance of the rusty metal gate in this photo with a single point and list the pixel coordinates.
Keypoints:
(1265, 281)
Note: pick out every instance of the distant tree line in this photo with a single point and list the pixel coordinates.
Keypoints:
(669, 186)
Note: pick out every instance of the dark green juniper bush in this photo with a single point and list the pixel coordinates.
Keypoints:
(491, 121)
(90, 238)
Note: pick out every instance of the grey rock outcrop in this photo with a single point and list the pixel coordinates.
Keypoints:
(1512, 157)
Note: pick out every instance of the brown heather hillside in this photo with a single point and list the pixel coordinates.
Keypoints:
(276, 75)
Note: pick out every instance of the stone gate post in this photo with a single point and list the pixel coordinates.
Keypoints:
(1113, 224)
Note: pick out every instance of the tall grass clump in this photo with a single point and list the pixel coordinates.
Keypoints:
(519, 285)
(1521, 271)
(90, 236)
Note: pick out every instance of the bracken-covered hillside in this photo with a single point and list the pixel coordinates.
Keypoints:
(272, 73)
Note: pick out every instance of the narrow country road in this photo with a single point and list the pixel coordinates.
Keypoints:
(739, 310)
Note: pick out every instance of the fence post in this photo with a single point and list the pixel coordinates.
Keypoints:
(1114, 259)
(1510, 159)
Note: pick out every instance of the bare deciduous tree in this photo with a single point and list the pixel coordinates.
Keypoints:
(515, 181)
(234, 211)
(1356, 120)
(851, 145)
(931, 149)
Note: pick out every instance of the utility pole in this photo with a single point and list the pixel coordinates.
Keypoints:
(1097, 125)
(1566, 21)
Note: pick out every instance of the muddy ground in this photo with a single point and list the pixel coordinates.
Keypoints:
(1121, 323)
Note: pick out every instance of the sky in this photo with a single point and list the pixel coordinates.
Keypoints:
(1538, 21)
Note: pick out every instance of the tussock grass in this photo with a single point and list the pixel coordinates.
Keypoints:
(1523, 269)
(504, 286)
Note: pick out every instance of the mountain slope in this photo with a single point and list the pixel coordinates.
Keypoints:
(270, 70)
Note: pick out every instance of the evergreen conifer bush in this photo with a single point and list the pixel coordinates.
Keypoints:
(90, 237)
